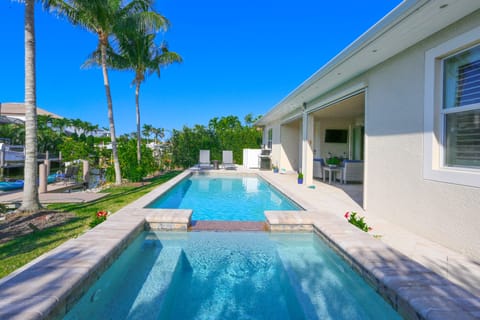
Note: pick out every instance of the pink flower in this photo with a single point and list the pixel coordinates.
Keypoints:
(347, 215)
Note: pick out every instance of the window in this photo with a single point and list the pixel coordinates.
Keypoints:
(461, 108)
(269, 138)
(452, 111)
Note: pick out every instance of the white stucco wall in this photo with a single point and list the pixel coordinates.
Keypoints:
(396, 189)
(290, 137)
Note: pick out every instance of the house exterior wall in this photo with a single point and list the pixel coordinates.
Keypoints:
(290, 138)
(396, 188)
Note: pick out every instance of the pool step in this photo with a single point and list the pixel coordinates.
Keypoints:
(150, 298)
(201, 225)
(287, 258)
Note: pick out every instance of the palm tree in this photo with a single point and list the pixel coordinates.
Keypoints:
(158, 133)
(107, 18)
(147, 131)
(30, 201)
(139, 53)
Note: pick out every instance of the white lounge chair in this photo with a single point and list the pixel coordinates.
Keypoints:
(204, 162)
(227, 159)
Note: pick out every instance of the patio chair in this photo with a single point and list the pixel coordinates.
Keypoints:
(70, 174)
(352, 171)
(227, 159)
(204, 162)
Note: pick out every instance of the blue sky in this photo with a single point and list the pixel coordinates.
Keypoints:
(240, 57)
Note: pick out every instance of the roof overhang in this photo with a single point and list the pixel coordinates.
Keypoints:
(407, 24)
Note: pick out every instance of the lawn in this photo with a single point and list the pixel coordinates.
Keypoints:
(22, 250)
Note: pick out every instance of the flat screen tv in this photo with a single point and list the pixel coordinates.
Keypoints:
(336, 136)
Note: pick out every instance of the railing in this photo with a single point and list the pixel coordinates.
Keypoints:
(14, 156)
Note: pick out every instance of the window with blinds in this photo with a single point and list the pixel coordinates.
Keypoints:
(461, 108)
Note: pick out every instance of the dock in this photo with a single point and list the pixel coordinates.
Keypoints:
(59, 192)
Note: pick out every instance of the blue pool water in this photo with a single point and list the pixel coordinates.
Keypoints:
(215, 275)
(230, 198)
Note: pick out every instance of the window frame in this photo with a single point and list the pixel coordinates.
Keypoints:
(435, 114)
(269, 138)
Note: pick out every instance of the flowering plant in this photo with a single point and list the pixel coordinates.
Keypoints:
(357, 221)
(99, 217)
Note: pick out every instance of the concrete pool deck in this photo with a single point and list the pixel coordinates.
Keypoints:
(49, 286)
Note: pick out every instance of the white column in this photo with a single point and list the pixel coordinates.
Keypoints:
(307, 148)
(42, 174)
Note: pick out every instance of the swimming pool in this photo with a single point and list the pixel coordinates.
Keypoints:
(215, 275)
(228, 198)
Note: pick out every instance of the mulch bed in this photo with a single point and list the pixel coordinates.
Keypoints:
(20, 224)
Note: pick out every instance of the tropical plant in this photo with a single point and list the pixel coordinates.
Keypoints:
(139, 53)
(131, 169)
(226, 133)
(357, 221)
(147, 131)
(107, 19)
(30, 201)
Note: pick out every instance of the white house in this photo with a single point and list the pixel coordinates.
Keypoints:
(405, 99)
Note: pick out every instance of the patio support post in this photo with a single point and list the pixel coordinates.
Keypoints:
(307, 150)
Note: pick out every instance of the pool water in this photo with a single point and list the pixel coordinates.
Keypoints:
(231, 275)
(229, 198)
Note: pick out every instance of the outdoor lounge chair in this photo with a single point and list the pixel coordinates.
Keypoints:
(227, 159)
(70, 174)
(204, 162)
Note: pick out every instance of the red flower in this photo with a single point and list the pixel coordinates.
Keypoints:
(102, 214)
(347, 215)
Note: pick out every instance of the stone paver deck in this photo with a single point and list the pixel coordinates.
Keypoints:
(48, 286)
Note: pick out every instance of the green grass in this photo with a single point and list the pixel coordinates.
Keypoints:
(20, 251)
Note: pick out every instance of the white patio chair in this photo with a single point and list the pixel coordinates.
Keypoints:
(204, 162)
(227, 159)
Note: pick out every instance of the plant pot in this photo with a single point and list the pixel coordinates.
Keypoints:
(275, 170)
(300, 180)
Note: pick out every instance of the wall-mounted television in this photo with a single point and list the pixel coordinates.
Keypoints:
(336, 136)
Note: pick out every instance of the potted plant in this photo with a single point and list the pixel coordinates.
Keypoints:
(300, 178)
(275, 168)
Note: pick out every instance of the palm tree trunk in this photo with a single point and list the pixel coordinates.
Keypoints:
(137, 105)
(30, 201)
(116, 162)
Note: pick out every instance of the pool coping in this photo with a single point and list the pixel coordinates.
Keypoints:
(48, 287)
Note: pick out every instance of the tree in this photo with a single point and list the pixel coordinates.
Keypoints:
(106, 19)
(139, 53)
(30, 201)
(147, 131)
(158, 133)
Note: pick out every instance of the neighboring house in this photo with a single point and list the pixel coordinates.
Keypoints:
(17, 110)
(408, 93)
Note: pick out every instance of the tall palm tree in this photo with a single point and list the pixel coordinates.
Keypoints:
(139, 53)
(107, 18)
(30, 201)
(148, 58)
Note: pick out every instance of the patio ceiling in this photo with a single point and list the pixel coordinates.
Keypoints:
(406, 25)
(349, 108)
